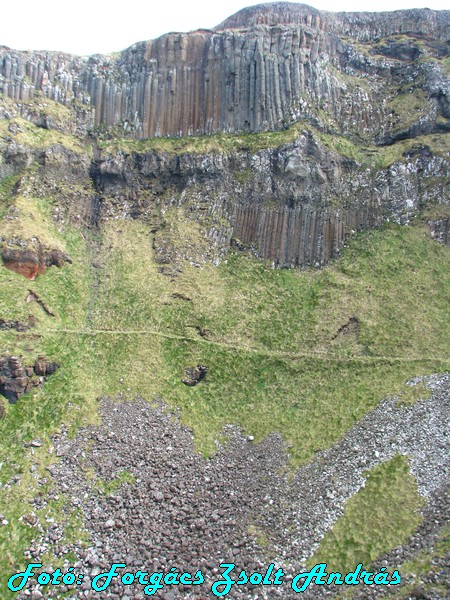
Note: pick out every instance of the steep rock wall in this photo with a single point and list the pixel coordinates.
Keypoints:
(376, 79)
(262, 68)
(295, 205)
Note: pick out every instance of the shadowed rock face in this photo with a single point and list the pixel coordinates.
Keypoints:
(295, 205)
(263, 67)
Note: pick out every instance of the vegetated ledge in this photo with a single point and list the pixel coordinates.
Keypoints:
(292, 197)
(227, 143)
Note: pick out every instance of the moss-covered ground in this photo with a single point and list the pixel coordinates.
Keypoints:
(365, 154)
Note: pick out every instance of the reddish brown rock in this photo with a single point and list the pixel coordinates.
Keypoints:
(24, 262)
(31, 263)
(44, 367)
(265, 66)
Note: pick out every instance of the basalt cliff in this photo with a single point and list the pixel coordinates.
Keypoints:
(224, 305)
(320, 125)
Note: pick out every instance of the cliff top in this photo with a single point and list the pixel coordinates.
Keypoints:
(270, 13)
(417, 20)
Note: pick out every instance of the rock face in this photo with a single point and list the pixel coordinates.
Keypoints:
(16, 380)
(195, 375)
(365, 96)
(295, 205)
(266, 66)
(31, 263)
(18, 325)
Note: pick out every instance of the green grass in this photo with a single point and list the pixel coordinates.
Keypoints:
(274, 361)
(409, 107)
(107, 488)
(280, 340)
(7, 186)
(446, 64)
(379, 517)
(228, 143)
(413, 393)
(37, 137)
(202, 144)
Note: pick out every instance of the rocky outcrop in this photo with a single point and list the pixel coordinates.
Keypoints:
(19, 326)
(361, 26)
(30, 262)
(43, 367)
(16, 380)
(25, 262)
(440, 230)
(375, 79)
(195, 375)
(266, 66)
(295, 205)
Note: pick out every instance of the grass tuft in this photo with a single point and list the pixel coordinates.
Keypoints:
(382, 515)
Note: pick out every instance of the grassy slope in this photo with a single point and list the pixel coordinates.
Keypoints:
(273, 362)
(379, 517)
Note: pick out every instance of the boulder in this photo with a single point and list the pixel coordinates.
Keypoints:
(17, 380)
(195, 375)
(30, 262)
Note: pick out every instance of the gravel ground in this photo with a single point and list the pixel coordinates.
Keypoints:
(187, 512)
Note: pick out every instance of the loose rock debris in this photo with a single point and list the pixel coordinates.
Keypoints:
(180, 510)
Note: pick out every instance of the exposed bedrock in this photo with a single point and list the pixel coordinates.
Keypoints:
(295, 205)
(30, 262)
(17, 380)
(262, 68)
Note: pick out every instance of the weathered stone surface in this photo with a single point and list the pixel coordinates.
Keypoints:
(184, 511)
(440, 230)
(374, 78)
(264, 67)
(18, 325)
(24, 262)
(195, 375)
(296, 205)
(44, 367)
(16, 380)
(31, 263)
